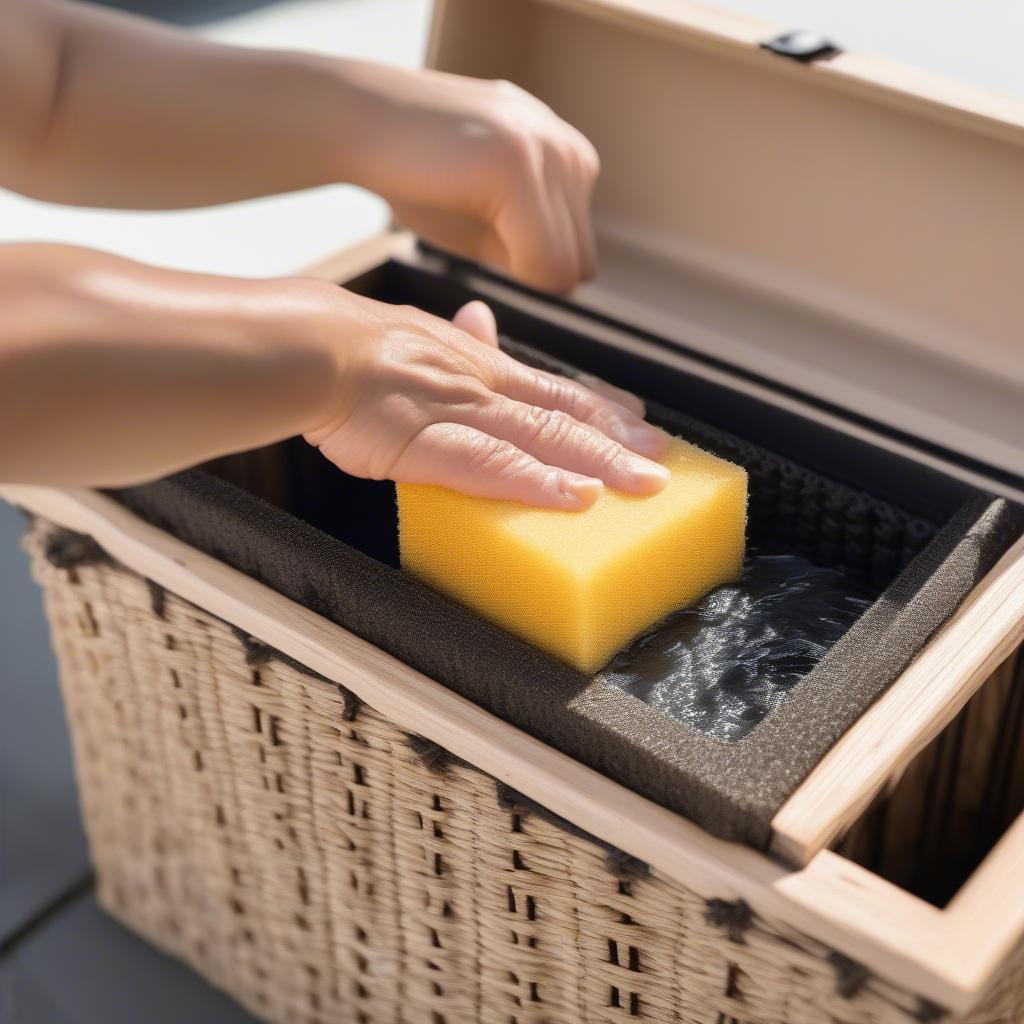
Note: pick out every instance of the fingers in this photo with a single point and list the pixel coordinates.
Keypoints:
(540, 230)
(557, 439)
(549, 391)
(536, 231)
(634, 403)
(585, 167)
(559, 187)
(545, 224)
(477, 319)
(464, 459)
(578, 202)
(518, 432)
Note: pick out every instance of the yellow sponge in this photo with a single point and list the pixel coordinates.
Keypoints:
(581, 585)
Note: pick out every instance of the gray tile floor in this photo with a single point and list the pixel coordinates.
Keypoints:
(42, 850)
(82, 967)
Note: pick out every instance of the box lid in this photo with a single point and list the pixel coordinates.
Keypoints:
(849, 227)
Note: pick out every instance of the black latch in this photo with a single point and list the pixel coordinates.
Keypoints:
(802, 46)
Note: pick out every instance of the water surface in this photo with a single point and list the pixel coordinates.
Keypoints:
(725, 663)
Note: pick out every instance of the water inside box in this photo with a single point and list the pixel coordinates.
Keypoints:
(729, 660)
(724, 664)
(841, 518)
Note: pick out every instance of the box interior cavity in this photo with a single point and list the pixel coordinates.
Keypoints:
(874, 527)
(936, 823)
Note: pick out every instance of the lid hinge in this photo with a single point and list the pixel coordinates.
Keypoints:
(802, 45)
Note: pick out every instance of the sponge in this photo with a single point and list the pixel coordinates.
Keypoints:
(581, 585)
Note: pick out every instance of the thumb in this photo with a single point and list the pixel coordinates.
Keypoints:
(477, 319)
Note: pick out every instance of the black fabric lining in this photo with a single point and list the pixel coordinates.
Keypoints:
(731, 789)
(457, 271)
(867, 538)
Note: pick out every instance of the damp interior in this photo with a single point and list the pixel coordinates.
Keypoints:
(725, 663)
(721, 665)
(819, 551)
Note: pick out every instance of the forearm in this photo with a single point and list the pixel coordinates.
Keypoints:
(110, 110)
(103, 109)
(113, 373)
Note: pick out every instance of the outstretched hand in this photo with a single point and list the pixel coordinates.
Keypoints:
(425, 401)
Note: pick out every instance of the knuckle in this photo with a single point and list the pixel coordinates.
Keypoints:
(578, 399)
(506, 89)
(609, 453)
(395, 372)
(493, 456)
(518, 145)
(548, 426)
(514, 136)
(408, 313)
(461, 390)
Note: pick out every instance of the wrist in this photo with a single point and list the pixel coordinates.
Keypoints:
(257, 344)
(325, 328)
(367, 134)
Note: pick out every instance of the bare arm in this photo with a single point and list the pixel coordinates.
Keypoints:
(100, 108)
(112, 373)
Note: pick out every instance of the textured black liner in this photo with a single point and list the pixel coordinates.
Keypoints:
(732, 789)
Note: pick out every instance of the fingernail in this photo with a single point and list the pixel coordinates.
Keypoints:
(632, 404)
(580, 492)
(649, 474)
(646, 440)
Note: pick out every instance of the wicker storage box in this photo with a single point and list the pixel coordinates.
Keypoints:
(322, 862)
(330, 834)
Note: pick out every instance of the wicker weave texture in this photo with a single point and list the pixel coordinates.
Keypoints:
(302, 853)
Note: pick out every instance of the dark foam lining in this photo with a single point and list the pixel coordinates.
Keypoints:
(329, 542)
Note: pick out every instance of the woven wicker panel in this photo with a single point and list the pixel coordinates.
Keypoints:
(307, 856)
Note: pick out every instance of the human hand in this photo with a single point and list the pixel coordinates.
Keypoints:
(480, 168)
(420, 400)
(159, 370)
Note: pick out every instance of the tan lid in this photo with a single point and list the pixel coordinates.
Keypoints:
(852, 227)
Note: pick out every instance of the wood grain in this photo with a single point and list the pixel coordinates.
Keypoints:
(986, 629)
